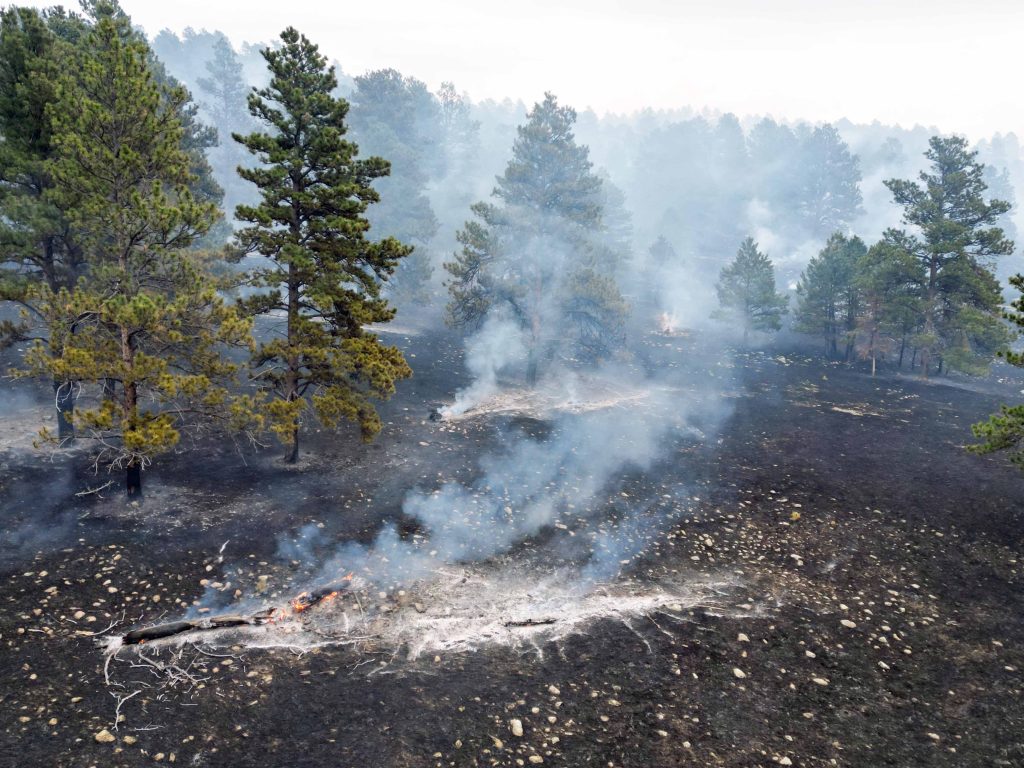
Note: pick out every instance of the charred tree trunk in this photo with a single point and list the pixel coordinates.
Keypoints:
(133, 480)
(292, 376)
(64, 400)
(903, 347)
(130, 411)
(939, 371)
(109, 389)
(531, 368)
(293, 450)
(913, 360)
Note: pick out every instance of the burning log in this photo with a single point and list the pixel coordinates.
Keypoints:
(303, 602)
(530, 622)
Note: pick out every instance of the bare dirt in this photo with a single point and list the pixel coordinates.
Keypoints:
(877, 616)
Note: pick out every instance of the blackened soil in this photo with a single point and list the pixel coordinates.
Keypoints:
(893, 561)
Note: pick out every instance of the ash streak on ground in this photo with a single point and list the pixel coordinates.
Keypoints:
(564, 494)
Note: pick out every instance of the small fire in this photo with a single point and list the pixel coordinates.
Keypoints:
(667, 323)
(306, 600)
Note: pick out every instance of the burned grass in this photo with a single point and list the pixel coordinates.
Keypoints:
(874, 615)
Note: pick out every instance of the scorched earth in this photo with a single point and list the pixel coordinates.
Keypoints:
(813, 574)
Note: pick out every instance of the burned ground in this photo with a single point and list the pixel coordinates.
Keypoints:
(876, 618)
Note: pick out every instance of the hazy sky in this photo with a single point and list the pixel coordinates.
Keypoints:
(949, 63)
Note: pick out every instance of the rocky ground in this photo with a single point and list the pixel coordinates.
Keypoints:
(876, 617)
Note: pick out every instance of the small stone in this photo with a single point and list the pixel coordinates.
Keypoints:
(742, 638)
(820, 680)
(517, 726)
(934, 737)
(53, 721)
(419, 608)
(536, 759)
(129, 740)
(498, 743)
(79, 615)
(553, 690)
(739, 673)
(848, 624)
(262, 582)
(785, 761)
(105, 737)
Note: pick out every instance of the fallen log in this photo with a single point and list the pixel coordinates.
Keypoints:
(530, 622)
(160, 631)
(304, 601)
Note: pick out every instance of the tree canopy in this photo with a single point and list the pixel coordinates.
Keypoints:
(324, 274)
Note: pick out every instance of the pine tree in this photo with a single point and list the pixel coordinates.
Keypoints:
(538, 254)
(956, 240)
(746, 291)
(224, 89)
(1004, 431)
(141, 315)
(325, 276)
(37, 244)
(828, 294)
(888, 280)
(397, 117)
(830, 182)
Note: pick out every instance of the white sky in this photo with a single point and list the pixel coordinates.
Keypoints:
(954, 64)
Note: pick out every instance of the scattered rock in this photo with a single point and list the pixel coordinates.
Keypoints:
(105, 737)
(848, 624)
(517, 726)
(739, 673)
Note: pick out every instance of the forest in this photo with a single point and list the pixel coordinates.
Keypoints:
(674, 437)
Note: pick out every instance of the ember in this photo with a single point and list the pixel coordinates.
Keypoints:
(303, 602)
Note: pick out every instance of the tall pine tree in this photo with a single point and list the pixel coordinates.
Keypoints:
(829, 296)
(746, 292)
(324, 275)
(538, 254)
(955, 238)
(141, 320)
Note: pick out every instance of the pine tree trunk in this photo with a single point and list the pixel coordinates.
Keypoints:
(130, 406)
(903, 346)
(293, 450)
(913, 360)
(531, 368)
(939, 372)
(292, 375)
(64, 400)
(133, 480)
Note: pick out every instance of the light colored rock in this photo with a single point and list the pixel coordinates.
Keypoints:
(742, 638)
(785, 761)
(553, 690)
(739, 673)
(848, 624)
(536, 759)
(820, 680)
(516, 725)
(105, 737)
